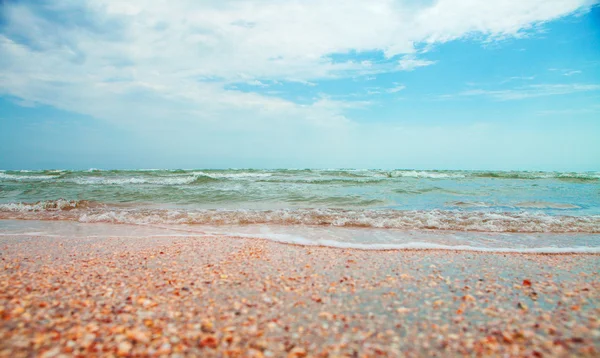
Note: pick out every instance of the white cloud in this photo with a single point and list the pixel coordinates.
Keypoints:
(257, 83)
(409, 63)
(569, 111)
(519, 78)
(396, 88)
(304, 82)
(531, 91)
(151, 62)
(565, 71)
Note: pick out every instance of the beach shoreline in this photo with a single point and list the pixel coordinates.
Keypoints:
(223, 296)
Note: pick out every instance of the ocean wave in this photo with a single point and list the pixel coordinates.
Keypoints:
(470, 204)
(591, 176)
(425, 174)
(174, 180)
(525, 175)
(343, 238)
(450, 220)
(545, 205)
(166, 180)
(233, 176)
(25, 178)
(323, 176)
(520, 205)
(324, 181)
(48, 206)
(419, 245)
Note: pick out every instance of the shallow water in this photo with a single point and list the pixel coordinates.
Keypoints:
(368, 209)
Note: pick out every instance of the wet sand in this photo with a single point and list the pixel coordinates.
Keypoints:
(221, 296)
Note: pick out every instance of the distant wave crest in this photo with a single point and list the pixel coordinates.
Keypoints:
(311, 176)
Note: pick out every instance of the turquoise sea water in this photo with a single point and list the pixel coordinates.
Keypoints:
(358, 208)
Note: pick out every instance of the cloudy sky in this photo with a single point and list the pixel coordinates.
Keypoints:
(463, 84)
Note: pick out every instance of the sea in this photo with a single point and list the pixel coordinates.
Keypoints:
(497, 211)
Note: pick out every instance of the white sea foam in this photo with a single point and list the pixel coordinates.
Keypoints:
(455, 220)
(520, 205)
(360, 239)
(426, 174)
(417, 245)
(324, 176)
(165, 180)
(470, 204)
(17, 177)
(545, 205)
(237, 175)
(41, 206)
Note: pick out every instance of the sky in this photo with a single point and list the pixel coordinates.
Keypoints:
(406, 84)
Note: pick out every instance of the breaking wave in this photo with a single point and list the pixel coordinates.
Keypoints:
(520, 205)
(166, 181)
(316, 176)
(443, 220)
(296, 240)
(25, 178)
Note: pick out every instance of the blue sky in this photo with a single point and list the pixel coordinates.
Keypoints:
(448, 84)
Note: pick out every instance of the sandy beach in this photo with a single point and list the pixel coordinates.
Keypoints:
(224, 296)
